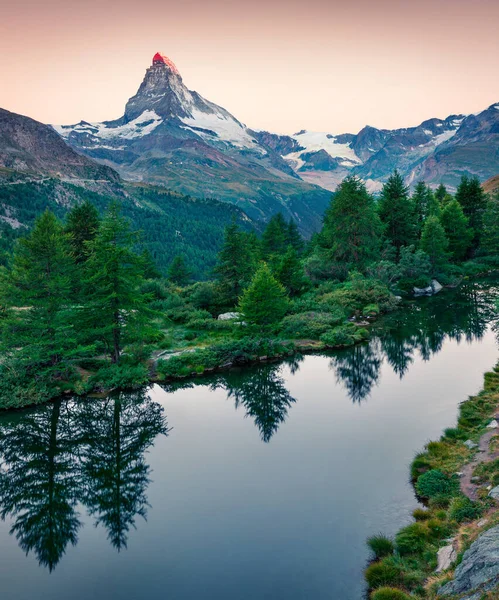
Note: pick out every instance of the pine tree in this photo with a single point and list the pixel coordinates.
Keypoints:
(289, 271)
(456, 229)
(441, 193)
(275, 237)
(235, 264)
(420, 202)
(435, 244)
(490, 237)
(178, 272)
(396, 211)
(352, 229)
(433, 206)
(264, 302)
(294, 238)
(116, 313)
(82, 224)
(41, 337)
(473, 200)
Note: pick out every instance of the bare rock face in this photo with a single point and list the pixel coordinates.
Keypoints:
(445, 557)
(479, 569)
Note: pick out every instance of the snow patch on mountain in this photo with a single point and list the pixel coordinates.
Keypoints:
(143, 125)
(315, 141)
(225, 128)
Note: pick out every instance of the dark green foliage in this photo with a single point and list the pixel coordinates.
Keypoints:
(82, 224)
(388, 593)
(359, 292)
(435, 243)
(275, 237)
(412, 539)
(311, 324)
(264, 302)
(344, 336)
(490, 234)
(178, 272)
(441, 193)
(352, 229)
(462, 509)
(473, 200)
(414, 268)
(243, 351)
(116, 309)
(421, 201)
(119, 376)
(289, 271)
(235, 266)
(397, 213)
(39, 336)
(456, 229)
(381, 574)
(171, 223)
(434, 483)
(380, 545)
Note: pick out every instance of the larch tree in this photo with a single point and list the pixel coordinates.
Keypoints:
(116, 311)
(235, 265)
(352, 229)
(178, 272)
(39, 334)
(435, 243)
(396, 211)
(473, 201)
(265, 301)
(457, 230)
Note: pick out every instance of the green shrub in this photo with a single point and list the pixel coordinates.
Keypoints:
(419, 465)
(120, 376)
(433, 483)
(360, 291)
(343, 336)
(381, 545)
(411, 539)
(389, 593)
(379, 574)
(455, 434)
(371, 310)
(439, 501)
(310, 324)
(462, 509)
(420, 514)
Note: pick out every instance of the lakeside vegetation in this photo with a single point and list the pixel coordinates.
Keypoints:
(405, 567)
(84, 307)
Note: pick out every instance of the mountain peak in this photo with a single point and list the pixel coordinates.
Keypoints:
(159, 59)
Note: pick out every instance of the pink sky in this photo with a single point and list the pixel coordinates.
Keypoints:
(281, 65)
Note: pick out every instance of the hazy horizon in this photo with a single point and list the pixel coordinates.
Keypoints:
(279, 66)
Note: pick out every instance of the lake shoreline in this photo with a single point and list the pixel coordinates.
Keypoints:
(426, 555)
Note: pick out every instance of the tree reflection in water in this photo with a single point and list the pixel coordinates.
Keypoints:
(70, 452)
(92, 453)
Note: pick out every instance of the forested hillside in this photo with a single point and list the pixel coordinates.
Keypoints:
(170, 223)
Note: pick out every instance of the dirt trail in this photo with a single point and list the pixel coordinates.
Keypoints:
(483, 455)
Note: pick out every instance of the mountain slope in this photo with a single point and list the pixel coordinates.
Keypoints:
(52, 175)
(172, 136)
(437, 150)
(29, 146)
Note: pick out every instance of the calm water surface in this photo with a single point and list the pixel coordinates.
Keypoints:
(258, 484)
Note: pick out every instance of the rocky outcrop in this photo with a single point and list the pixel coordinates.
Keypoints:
(432, 289)
(445, 557)
(479, 569)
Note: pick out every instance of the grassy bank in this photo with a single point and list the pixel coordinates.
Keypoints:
(405, 566)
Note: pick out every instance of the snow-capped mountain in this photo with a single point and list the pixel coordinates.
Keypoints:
(437, 150)
(173, 136)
